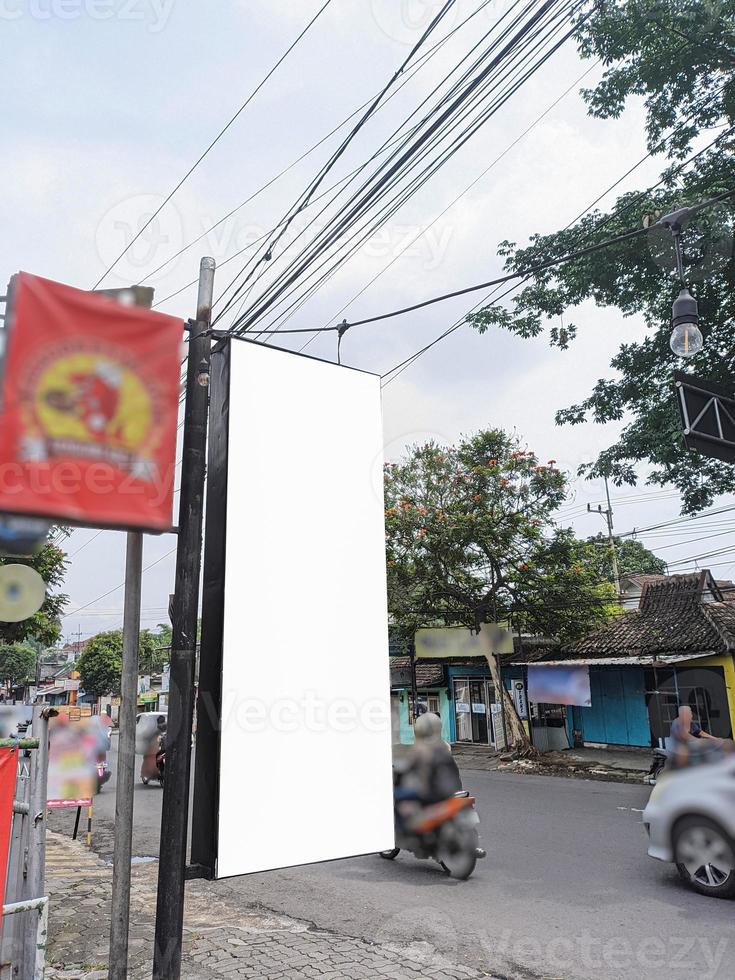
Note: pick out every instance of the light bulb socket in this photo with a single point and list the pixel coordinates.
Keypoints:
(203, 373)
(685, 309)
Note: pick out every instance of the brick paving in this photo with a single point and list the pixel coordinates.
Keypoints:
(221, 939)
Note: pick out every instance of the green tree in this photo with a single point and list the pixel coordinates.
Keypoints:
(162, 636)
(17, 664)
(100, 664)
(471, 538)
(151, 654)
(633, 557)
(680, 57)
(45, 625)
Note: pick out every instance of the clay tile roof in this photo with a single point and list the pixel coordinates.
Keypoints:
(722, 614)
(672, 618)
(427, 674)
(727, 588)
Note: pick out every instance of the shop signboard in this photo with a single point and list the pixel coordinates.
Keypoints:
(519, 699)
(457, 641)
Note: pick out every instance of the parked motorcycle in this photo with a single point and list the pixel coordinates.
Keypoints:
(658, 763)
(446, 831)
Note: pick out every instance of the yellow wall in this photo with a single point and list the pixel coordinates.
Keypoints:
(727, 662)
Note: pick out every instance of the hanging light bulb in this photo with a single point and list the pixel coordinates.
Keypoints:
(686, 337)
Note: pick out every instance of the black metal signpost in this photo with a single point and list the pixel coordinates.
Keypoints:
(184, 608)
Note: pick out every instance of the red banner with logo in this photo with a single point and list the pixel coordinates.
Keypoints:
(8, 773)
(90, 398)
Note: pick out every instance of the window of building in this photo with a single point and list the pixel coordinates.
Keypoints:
(426, 701)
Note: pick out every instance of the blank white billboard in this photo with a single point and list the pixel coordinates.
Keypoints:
(305, 751)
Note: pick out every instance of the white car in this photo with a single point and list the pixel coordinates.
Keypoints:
(690, 819)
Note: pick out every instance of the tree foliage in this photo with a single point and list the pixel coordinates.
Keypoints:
(100, 664)
(471, 538)
(678, 55)
(633, 557)
(17, 664)
(45, 625)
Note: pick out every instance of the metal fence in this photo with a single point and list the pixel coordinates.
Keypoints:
(25, 912)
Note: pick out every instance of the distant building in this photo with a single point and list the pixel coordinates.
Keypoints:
(676, 648)
(674, 645)
(632, 586)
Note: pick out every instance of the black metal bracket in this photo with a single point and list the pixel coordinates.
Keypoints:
(194, 871)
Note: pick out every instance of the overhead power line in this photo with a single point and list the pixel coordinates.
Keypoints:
(677, 521)
(505, 63)
(407, 77)
(399, 368)
(449, 206)
(306, 197)
(104, 595)
(522, 274)
(214, 142)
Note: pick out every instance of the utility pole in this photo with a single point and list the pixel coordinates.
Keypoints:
(608, 515)
(120, 913)
(123, 846)
(184, 619)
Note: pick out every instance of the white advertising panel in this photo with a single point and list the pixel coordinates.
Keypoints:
(305, 745)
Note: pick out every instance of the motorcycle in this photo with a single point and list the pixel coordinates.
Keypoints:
(658, 763)
(153, 766)
(446, 831)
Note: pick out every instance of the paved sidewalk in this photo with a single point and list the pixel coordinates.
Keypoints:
(221, 939)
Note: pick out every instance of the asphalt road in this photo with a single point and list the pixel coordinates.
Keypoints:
(566, 891)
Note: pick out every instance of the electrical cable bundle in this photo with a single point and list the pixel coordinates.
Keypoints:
(510, 53)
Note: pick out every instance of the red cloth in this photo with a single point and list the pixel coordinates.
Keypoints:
(90, 401)
(8, 772)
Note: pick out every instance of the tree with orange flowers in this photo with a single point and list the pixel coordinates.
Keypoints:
(472, 536)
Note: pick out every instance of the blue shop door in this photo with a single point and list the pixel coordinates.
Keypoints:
(618, 715)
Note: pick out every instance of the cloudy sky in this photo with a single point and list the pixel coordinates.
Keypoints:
(107, 103)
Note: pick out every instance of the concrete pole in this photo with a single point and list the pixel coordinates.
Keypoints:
(611, 536)
(120, 913)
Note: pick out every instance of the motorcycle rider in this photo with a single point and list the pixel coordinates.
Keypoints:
(430, 773)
